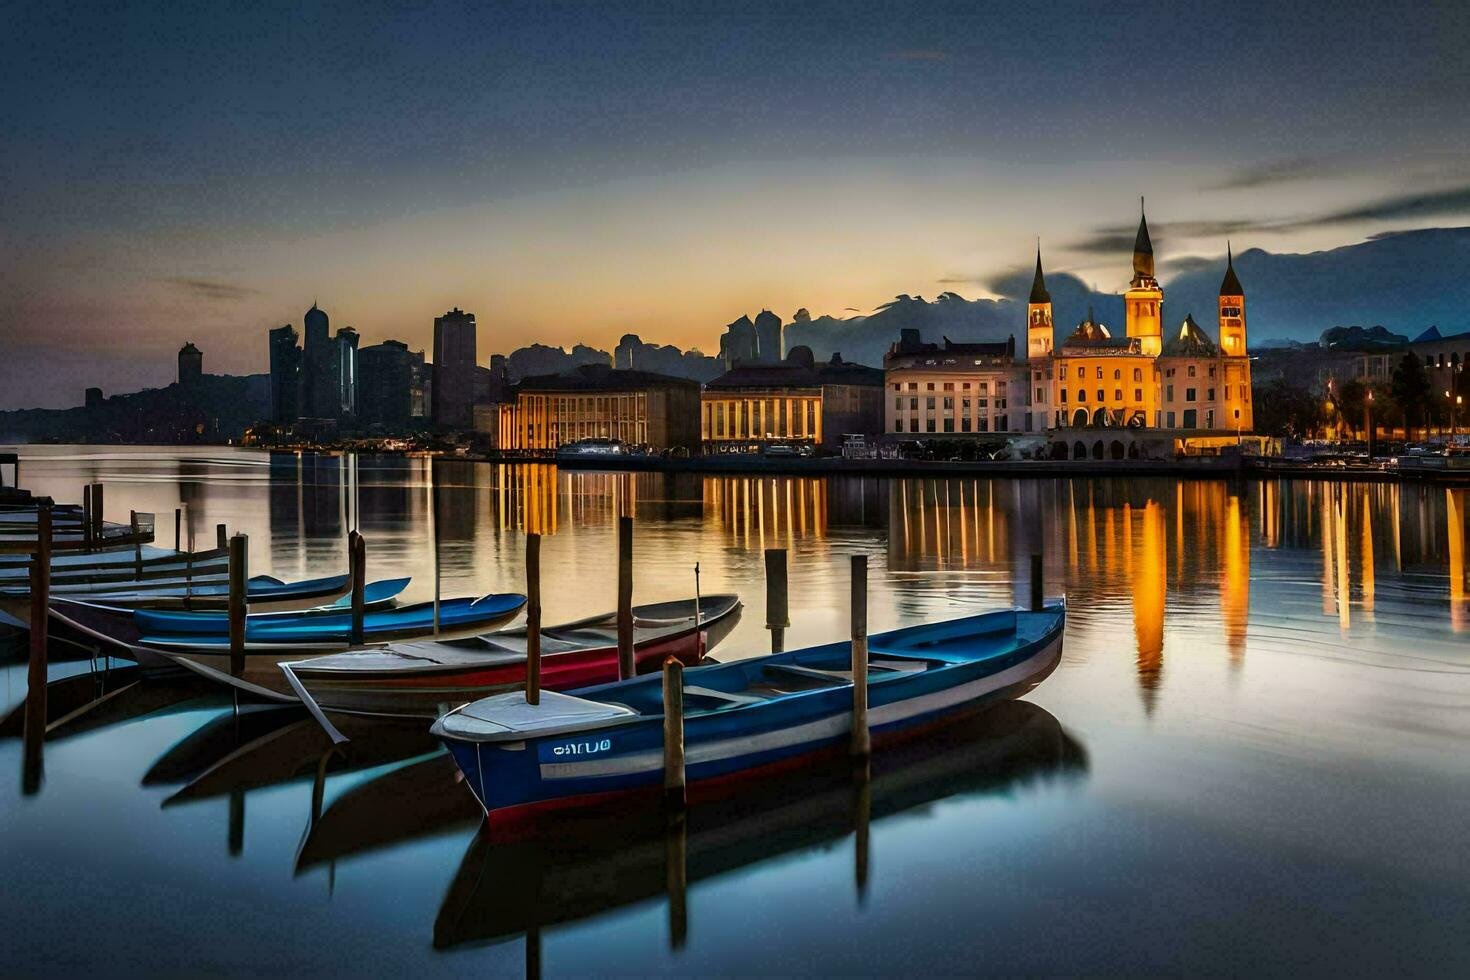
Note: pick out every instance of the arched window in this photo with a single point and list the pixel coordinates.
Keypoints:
(1117, 375)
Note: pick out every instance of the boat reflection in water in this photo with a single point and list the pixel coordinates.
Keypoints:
(572, 866)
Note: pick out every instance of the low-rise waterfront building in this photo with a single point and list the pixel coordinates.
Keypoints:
(637, 407)
(795, 401)
(952, 389)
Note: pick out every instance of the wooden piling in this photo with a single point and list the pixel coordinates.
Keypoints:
(674, 797)
(221, 539)
(1038, 584)
(178, 528)
(533, 618)
(137, 545)
(35, 711)
(357, 567)
(626, 668)
(98, 511)
(239, 576)
(861, 740)
(87, 517)
(778, 614)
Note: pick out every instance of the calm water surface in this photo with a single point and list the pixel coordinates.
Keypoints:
(1254, 756)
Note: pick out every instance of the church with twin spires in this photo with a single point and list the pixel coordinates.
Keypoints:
(1180, 382)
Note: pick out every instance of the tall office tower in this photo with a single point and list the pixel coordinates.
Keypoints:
(454, 370)
(191, 364)
(285, 375)
(344, 371)
(770, 340)
(319, 386)
(385, 382)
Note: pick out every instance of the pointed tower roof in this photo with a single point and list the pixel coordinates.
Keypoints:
(1143, 248)
(1230, 285)
(1191, 341)
(1038, 283)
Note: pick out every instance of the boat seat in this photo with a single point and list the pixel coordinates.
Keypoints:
(885, 666)
(726, 696)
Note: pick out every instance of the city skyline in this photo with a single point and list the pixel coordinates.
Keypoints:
(584, 173)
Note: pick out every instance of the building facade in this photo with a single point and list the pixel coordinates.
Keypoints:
(285, 361)
(796, 401)
(1191, 392)
(596, 402)
(386, 374)
(454, 369)
(191, 364)
(951, 389)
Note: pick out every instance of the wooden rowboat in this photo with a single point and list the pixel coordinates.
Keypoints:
(741, 718)
(421, 679)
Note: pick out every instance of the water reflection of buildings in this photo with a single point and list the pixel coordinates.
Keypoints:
(1355, 527)
(1109, 544)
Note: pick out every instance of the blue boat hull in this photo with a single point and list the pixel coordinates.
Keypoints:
(511, 778)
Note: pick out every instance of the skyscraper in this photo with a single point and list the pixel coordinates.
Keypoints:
(454, 369)
(769, 338)
(344, 371)
(285, 375)
(320, 396)
(191, 364)
(385, 387)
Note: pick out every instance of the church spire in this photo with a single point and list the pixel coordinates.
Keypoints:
(1230, 285)
(1143, 248)
(1038, 283)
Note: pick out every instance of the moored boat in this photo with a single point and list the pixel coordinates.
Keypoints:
(744, 717)
(271, 639)
(424, 678)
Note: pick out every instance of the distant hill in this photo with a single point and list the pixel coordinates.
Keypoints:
(1403, 281)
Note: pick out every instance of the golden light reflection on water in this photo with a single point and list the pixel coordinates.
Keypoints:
(1153, 559)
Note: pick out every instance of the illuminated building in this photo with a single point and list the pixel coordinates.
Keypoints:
(599, 402)
(795, 401)
(1185, 394)
(949, 389)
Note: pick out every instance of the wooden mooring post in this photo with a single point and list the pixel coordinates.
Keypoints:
(778, 610)
(87, 517)
(357, 567)
(533, 618)
(98, 510)
(1038, 584)
(674, 796)
(221, 539)
(239, 577)
(861, 741)
(35, 711)
(626, 667)
(137, 545)
(178, 528)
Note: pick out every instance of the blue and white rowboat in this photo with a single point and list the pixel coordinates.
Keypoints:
(744, 717)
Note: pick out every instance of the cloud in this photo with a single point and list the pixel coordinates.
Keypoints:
(1110, 240)
(1451, 201)
(211, 289)
(921, 54)
(1274, 172)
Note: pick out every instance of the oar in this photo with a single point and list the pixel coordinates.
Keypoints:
(316, 711)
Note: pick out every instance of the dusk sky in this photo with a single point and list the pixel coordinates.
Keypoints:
(572, 172)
